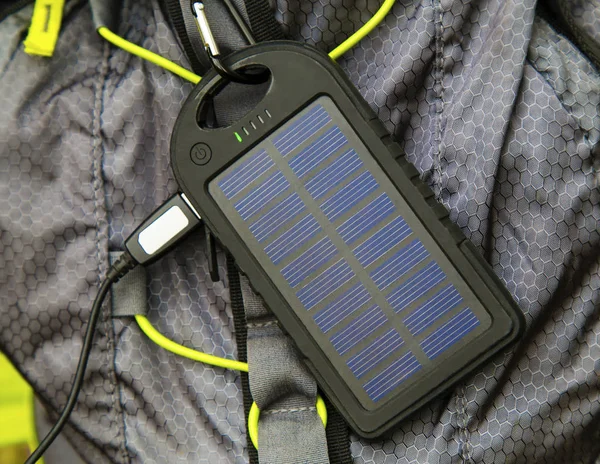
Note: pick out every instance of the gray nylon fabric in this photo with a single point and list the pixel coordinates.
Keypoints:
(290, 430)
(128, 295)
(61, 451)
(583, 21)
(497, 110)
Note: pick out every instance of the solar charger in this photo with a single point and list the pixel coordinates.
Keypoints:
(381, 292)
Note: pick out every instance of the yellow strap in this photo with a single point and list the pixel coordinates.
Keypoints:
(44, 28)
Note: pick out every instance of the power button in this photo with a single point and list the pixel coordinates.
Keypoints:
(200, 154)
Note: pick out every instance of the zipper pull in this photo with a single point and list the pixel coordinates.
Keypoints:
(45, 27)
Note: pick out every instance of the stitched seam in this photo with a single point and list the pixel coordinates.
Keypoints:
(285, 411)
(438, 88)
(254, 325)
(464, 447)
(102, 222)
(118, 398)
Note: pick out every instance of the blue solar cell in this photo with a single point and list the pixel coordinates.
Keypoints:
(360, 328)
(275, 218)
(353, 193)
(415, 287)
(317, 152)
(392, 376)
(325, 284)
(306, 126)
(238, 179)
(309, 261)
(368, 217)
(340, 245)
(450, 333)
(293, 238)
(382, 241)
(266, 191)
(347, 303)
(434, 308)
(327, 178)
(399, 264)
(376, 352)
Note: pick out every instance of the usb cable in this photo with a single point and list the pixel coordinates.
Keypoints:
(165, 227)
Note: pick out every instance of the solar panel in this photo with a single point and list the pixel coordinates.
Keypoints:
(341, 243)
(382, 294)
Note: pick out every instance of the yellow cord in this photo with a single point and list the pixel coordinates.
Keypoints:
(189, 353)
(158, 60)
(147, 55)
(254, 416)
(351, 41)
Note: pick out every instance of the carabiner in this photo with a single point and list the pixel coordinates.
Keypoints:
(212, 49)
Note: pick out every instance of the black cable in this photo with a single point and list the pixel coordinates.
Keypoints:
(241, 24)
(117, 270)
(137, 252)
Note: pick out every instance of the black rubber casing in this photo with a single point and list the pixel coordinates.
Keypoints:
(299, 75)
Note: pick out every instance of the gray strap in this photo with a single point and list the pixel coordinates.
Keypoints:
(193, 33)
(129, 297)
(290, 430)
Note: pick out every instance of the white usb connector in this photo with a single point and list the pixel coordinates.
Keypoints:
(164, 228)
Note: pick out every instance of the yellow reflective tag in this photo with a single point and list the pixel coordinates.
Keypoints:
(45, 27)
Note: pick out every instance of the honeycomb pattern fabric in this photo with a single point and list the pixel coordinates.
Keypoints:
(583, 21)
(53, 223)
(84, 158)
(500, 114)
(495, 108)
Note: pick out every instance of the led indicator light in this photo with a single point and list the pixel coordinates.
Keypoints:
(238, 137)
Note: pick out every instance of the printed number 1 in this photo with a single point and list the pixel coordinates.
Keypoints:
(48, 10)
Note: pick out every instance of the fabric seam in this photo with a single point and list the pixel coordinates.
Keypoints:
(101, 221)
(256, 325)
(438, 88)
(118, 400)
(464, 449)
(290, 410)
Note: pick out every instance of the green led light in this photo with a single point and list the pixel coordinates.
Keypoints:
(238, 137)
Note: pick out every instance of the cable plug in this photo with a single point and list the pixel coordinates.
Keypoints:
(168, 224)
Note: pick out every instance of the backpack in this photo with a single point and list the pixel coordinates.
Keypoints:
(495, 102)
